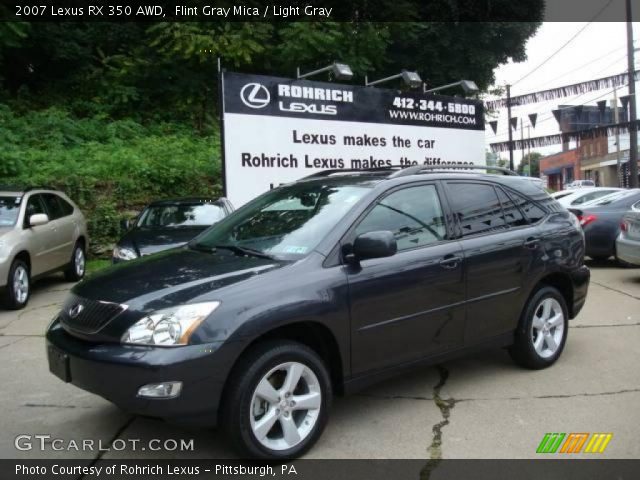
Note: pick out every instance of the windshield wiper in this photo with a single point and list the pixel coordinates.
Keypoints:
(243, 251)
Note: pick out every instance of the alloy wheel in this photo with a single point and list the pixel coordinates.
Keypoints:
(79, 261)
(21, 284)
(547, 327)
(285, 406)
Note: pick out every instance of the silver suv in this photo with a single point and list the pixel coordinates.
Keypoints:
(41, 231)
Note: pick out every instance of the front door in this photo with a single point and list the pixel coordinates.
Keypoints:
(411, 304)
(39, 239)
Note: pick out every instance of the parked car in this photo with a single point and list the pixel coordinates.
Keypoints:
(325, 285)
(168, 224)
(601, 221)
(41, 231)
(579, 196)
(628, 242)
(580, 184)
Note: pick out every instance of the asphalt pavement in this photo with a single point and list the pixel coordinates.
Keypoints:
(477, 407)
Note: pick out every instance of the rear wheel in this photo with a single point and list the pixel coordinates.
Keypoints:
(18, 287)
(76, 269)
(543, 329)
(277, 403)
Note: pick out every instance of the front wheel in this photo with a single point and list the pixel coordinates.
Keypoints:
(278, 400)
(18, 287)
(543, 329)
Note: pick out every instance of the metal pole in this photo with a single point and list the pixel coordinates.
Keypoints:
(509, 127)
(633, 132)
(529, 148)
(522, 143)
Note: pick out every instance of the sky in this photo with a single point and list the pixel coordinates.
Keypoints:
(599, 50)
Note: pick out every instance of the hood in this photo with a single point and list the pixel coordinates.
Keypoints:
(5, 230)
(146, 241)
(171, 278)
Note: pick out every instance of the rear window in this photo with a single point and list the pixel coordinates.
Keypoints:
(477, 207)
(531, 210)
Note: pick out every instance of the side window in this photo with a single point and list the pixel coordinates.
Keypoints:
(34, 206)
(512, 215)
(53, 206)
(414, 215)
(531, 211)
(67, 208)
(477, 207)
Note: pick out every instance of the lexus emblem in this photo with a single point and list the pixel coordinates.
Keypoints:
(75, 310)
(255, 95)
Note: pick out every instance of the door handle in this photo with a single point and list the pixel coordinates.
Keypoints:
(450, 261)
(531, 243)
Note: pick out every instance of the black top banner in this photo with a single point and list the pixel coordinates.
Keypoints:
(314, 10)
(285, 97)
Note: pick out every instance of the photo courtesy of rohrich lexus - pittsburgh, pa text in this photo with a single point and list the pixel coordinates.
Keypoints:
(319, 239)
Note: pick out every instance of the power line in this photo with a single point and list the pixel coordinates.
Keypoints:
(566, 43)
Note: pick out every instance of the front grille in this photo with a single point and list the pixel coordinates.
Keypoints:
(88, 316)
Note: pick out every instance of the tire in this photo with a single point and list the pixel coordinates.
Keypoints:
(542, 332)
(599, 258)
(78, 264)
(246, 415)
(18, 289)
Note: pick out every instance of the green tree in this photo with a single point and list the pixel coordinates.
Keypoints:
(532, 159)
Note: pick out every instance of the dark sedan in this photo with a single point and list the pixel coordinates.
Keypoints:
(601, 222)
(169, 223)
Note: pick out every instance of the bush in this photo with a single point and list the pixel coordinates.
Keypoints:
(109, 168)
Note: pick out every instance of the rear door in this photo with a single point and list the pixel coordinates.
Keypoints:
(62, 230)
(411, 304)
(498, 244)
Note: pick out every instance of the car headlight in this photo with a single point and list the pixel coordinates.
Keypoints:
(169, 327)
(123, 253)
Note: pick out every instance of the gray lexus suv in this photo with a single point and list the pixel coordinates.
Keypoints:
(41, 231)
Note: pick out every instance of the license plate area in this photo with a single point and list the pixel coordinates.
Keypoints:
(59, 363)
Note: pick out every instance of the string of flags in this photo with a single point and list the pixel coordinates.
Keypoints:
(554, 139)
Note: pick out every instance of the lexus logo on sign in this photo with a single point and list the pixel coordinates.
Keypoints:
(75, 310)
(255, 95)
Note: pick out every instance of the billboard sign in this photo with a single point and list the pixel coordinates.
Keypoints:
(278, 130)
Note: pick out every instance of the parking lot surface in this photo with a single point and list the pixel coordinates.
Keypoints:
(477, 407)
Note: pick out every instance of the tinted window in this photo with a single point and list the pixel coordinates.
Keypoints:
(414, 215)
(34, 206)
(512, 215)
(587, 197)
(476, 206)
(53, 206)
(181, 215)
(67, 208)
(531, 211)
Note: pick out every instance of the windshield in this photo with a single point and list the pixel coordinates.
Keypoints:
(288, 221)
(9, 208)
(181, 215)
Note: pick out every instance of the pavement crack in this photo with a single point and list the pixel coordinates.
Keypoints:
(622, 292)
(50, 405)
(542, 397)
(102, 452)
(445, 406)
(395, 397)
(604, 326)
(12, 343)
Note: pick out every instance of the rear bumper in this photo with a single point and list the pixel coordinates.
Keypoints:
(580, 280)
(116, 372)
(628, 250)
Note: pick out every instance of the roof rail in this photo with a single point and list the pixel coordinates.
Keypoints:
(326, 173)
(417, 169)
(39, 187)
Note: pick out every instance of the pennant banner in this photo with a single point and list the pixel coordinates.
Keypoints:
(556, 113)
(514, 123)
(494, 126)
(625, 102)
(558, 138)
(533, 117)
(561, 92)
(602, 105)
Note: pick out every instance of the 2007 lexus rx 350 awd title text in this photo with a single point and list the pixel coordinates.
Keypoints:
(324, 286)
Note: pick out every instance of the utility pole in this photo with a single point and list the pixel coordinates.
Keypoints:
(633, 128)
(509, 126)
(616, 120)
(529, 148)
(522, 143)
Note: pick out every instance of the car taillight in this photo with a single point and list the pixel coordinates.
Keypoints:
(624, 227)
(586, 220)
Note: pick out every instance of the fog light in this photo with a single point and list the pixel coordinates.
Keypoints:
(161, 390)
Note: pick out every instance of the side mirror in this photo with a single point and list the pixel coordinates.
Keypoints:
(38, 219)
(125, 224)
(375, 245)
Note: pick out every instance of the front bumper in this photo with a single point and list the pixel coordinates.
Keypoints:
(116, 372)
(628, 250)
